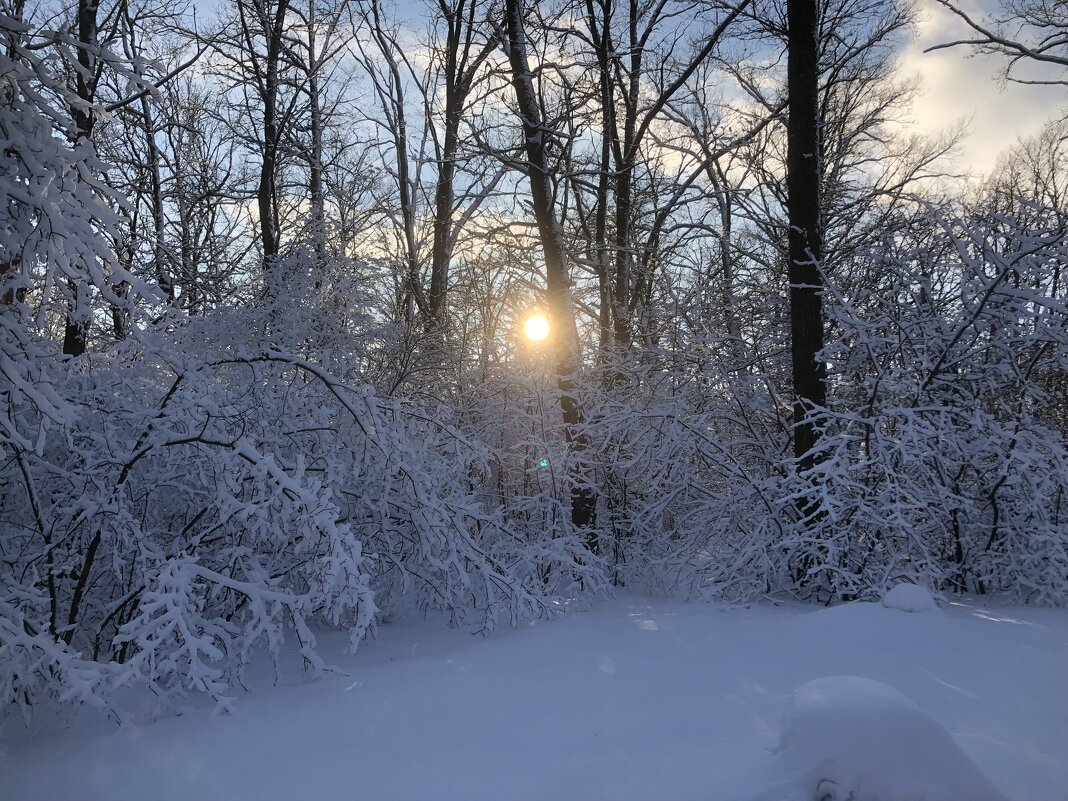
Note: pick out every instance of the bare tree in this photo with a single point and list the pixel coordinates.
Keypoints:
(385, 64)
(634, 91)
(421, 115)
(463, 52)
(254, 51)
(315, 48)
(550, 235)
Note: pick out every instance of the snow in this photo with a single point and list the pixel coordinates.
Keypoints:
(848, 737)
(633, 699)
(908, 597)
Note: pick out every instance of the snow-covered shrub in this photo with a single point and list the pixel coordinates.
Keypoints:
(687, 473)
(164, 529)
(527, 471)
(212, 484)
(942, 463)
(943, 460)
(202, 493)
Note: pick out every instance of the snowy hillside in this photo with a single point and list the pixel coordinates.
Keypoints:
(635, 699)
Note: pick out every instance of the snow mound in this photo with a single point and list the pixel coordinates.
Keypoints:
(909, 598)
(847, 738)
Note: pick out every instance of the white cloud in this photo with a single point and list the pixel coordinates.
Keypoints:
(958, 85)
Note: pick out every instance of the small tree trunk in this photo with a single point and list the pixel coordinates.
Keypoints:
(315, 111)
(444, 196)
(625, 296)
(461, 65)
(600, 30)
(273, 23)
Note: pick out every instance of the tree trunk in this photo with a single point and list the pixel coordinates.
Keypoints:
(391, 95)
(76, 329)
(154, 160)
(444, 196)
(444, 191)
(804, 212)
(265, 192)
(159, 220)
(601, 36)
(315, 166)
(272, 22)
(462, 63)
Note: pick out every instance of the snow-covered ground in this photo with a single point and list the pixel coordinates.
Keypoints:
(634, 699)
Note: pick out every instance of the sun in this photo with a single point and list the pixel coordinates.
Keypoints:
(536, 327)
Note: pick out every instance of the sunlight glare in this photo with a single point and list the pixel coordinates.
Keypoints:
(536, 327)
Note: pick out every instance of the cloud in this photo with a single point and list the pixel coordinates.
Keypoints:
(957, 84)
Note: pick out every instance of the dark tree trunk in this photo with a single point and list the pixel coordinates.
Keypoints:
(625, 297)
(85, 82)
(154, 169)
(804, 213)
(159, 219)
(392, 95)
(265, 192)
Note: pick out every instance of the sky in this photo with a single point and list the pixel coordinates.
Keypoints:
(959, 86)
(956, 85)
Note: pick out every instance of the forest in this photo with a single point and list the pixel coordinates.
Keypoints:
(321, 314)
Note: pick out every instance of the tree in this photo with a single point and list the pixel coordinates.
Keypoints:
(254, 50)
(438, 183)
(463, 56)
(804, 211)
(550, 235)
(627, 118)
(87, 77)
